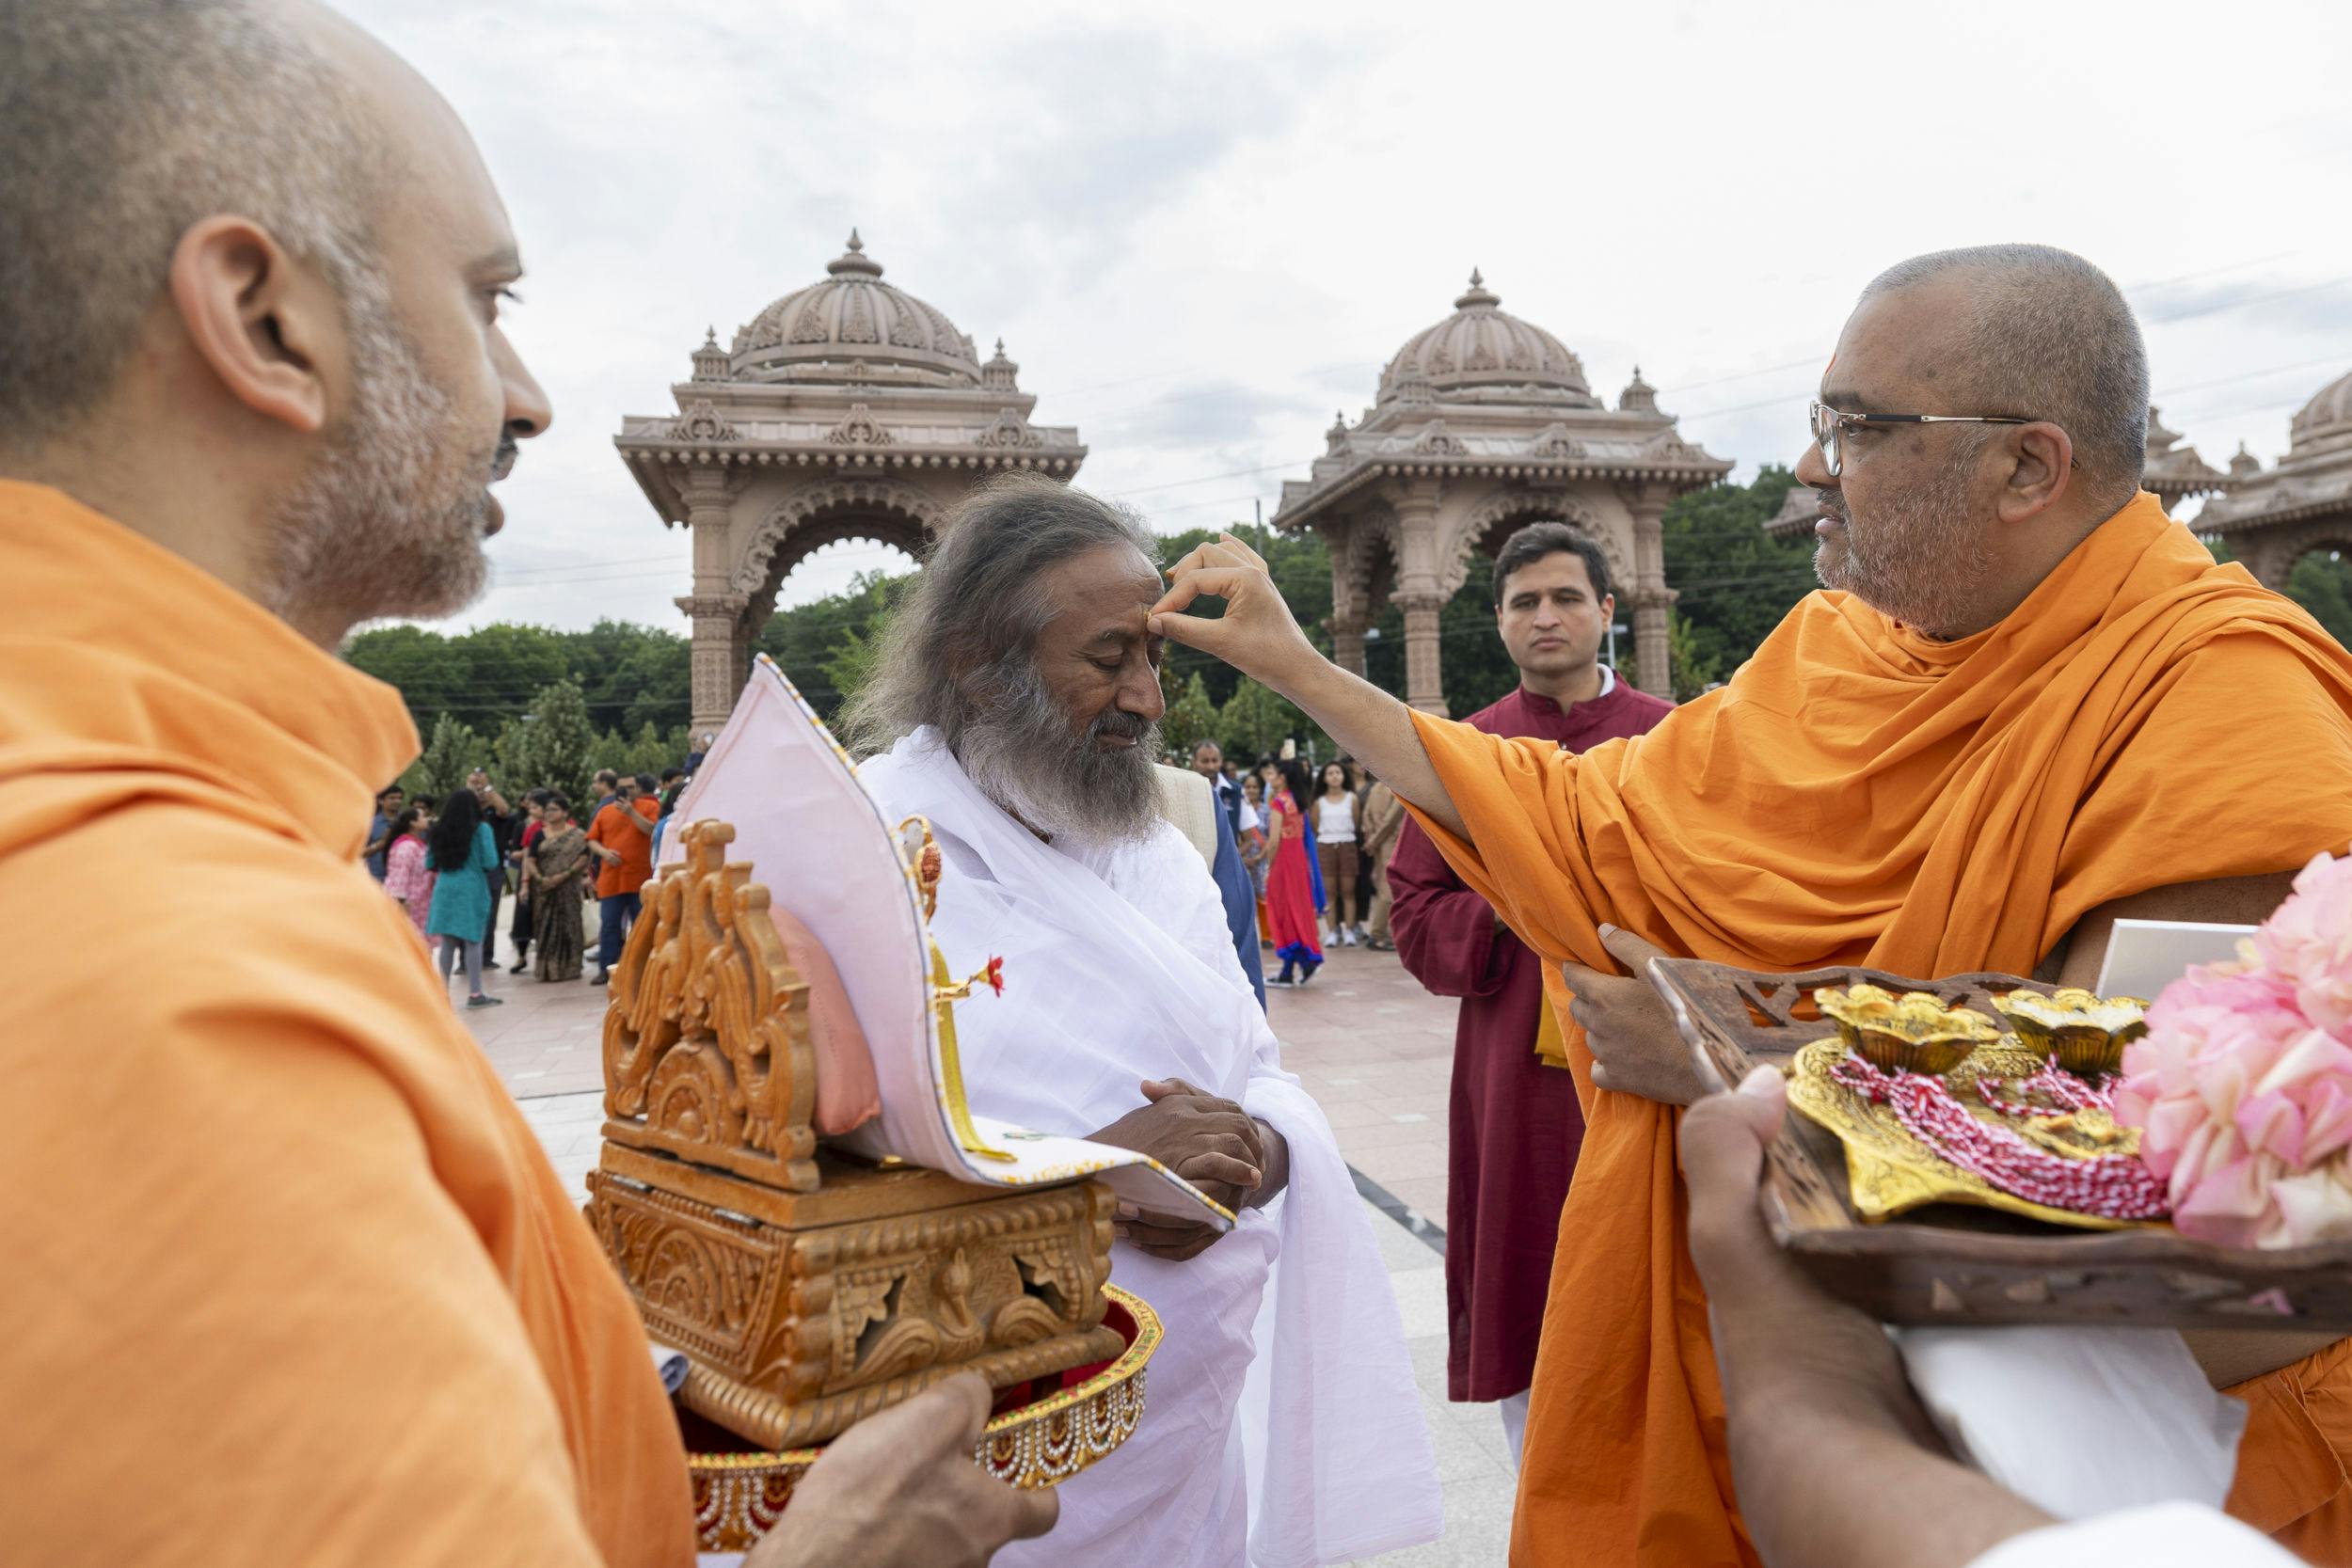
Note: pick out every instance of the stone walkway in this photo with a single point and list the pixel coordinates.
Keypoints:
(1368, 1042)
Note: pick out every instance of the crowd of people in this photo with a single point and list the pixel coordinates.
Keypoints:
(452, 864)
(1316, 843)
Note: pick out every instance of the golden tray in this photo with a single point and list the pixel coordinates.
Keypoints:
(1955, 1263)
(1049, 1435)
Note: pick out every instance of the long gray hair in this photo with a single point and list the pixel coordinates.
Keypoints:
(959, 647)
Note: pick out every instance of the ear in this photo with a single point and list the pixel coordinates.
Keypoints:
(1607, 610)
(2041, 467)
(269, 328)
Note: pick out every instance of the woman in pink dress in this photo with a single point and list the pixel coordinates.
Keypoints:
(1290, 885)
(405, 875)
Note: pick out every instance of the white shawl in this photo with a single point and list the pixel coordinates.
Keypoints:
(1119, 967)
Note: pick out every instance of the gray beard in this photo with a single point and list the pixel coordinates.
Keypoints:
(1914, 563)
(1021, 754)
(390, 518)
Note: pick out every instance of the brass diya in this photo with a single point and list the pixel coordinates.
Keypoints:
(2086, 1034)
(1914, 1031)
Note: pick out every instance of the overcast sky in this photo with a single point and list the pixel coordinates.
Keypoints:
(1202, 229)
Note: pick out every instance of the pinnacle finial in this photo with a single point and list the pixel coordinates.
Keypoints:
(1476, 281)
(710, 336)
(855, 244)
(1000, 348)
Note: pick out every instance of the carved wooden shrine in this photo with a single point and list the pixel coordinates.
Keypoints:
(808, 1289)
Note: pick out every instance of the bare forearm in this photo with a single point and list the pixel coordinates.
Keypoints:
(1372, 727)
(1895, 1505)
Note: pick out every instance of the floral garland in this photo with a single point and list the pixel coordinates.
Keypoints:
(2243, 1086)
(2113, 1186)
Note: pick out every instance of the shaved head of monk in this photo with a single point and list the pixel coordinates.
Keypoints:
(249, 302)
(1948, 526)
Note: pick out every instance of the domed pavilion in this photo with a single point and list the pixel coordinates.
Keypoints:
(848, 410)
(2273, 518)
(1481, 423)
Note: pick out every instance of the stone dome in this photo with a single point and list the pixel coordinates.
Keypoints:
(854, 326)
(1487, 354)
(2324, 423)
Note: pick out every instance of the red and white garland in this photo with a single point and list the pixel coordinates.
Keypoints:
(2113, 1186)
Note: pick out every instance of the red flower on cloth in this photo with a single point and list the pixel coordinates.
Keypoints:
(993, 975)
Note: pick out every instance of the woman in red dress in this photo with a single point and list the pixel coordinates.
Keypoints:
(1290, 891)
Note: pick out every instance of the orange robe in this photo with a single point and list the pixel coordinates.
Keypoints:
(1862, 793)
(284, 1277)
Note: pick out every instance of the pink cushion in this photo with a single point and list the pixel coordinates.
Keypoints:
(845, 1095)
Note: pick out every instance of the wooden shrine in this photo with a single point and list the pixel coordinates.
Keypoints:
(808, 1288)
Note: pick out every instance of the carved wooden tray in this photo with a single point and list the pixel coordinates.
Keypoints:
(1045, 1431)
(1949, 1263)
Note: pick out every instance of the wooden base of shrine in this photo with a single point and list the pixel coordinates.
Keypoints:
(802, 1313)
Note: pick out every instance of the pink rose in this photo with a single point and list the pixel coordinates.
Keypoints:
(2308, 943)
(2242, 1094)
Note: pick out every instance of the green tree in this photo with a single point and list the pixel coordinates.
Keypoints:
(807, 639)
(561, 742)
(852, 663)
(2322, 583)
(1254, 721)
(454, 751)
(1190, 719)
(1737, 582)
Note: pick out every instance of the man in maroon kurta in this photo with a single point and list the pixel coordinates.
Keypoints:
(1514, 1126)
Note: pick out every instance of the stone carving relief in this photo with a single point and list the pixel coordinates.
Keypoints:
(1488, 522)
(906, 331)
(1553, 441)
(857, 322)
(702, 422)
(809, 326)
(1010, 430)
(882, 496)
(857, 429)
(1436, 441)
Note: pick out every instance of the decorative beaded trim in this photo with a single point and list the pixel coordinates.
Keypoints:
(2113, 1186)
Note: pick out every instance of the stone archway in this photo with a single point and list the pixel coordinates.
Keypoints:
(1485, 528)
(1483, 418)
(2271, 553)
(848, 410)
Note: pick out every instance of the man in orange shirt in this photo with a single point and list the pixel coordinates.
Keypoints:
(284, 1277)
(2029, 704)
(622, 841)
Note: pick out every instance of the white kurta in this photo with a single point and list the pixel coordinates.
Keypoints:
(1282, 1409)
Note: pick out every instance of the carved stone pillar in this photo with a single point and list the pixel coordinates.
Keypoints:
(1651, 597)
(721, 659)
(721, 656)
(1418, 594)
(1424, 681)
(1347, 645)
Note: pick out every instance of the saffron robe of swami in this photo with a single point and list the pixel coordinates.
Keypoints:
(1861, 793)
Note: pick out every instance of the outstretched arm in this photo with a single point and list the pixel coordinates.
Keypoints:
(1258, 636)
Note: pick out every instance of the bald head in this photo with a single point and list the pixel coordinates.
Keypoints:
(2038, 332)
(128, 122)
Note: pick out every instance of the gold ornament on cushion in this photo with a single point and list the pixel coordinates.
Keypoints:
(2087, 1034)
(1914, 1031)
(1890, 1171)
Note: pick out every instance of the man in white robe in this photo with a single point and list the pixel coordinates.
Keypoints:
(1018, 694)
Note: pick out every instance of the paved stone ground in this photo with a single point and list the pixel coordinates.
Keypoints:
(1367, 1041)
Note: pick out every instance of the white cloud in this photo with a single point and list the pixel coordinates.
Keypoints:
(1201, 229)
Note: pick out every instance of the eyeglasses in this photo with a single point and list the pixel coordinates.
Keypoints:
(1829, 423)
